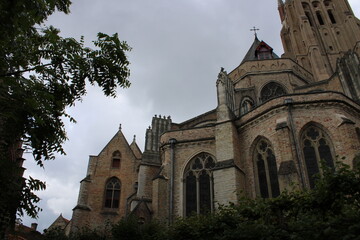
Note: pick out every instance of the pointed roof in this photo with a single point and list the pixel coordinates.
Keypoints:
(133, 147)
(59, 222)
(251, 54)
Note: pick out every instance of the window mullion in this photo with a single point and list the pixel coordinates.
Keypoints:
(317, 154)
(267, 172)
(197, 194)
(112, 197)
(211, 193)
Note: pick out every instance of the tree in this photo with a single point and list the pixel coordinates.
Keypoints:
(41, 74)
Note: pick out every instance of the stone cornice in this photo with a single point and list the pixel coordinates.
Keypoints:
(187, 142)
(335, 100)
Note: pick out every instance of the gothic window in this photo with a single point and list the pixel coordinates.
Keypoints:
(331, 16)
(198, 183)
(112, 193)
(320, 18)
(266, 170)
(116, 160)
(271, 90)
(246, 105)
(316, 148)
(358, 133)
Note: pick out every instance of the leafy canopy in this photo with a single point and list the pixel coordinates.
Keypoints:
(41, 74)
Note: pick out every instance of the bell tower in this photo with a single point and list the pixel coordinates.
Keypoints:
(316, 33)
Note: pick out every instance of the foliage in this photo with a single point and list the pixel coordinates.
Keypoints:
(41, 74)
(330, 211)
(55, 234)
(130, 229)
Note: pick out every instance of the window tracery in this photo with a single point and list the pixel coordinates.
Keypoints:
(271, 90)
(198, 184)
(266, 170)
(112, 193)
(316, 148)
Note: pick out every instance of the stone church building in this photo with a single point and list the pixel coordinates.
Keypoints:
(276, 119)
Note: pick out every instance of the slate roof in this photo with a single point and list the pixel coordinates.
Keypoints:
(250, 55)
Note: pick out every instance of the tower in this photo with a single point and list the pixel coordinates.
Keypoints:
(316, 33)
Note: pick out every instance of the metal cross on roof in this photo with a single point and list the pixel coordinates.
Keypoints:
(254, 29)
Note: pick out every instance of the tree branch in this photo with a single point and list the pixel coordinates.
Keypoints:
(26, 70)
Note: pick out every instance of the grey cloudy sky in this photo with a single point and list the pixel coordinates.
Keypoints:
(178, 46)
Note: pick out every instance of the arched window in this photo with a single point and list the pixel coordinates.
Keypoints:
(271, 90)
(112, 193)
(116, 160)
(246, 105)
(316, 148)
(266, 169)
(198, 183)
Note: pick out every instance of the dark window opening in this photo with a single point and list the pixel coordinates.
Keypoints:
(264, 192)
(273, 173)
(320, 18)
(205, 193)
(191, 194)
(309, 18)
(331, 16)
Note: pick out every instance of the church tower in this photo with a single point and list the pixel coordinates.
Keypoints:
(316, 33)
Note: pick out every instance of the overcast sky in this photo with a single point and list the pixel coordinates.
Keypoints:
(178, 46)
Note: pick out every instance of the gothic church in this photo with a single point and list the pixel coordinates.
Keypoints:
(276, 118)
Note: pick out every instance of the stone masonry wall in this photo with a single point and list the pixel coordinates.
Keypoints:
(102, 171)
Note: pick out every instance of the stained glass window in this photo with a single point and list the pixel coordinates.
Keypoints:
(316, 147)
(199, 185)
(267, 173)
